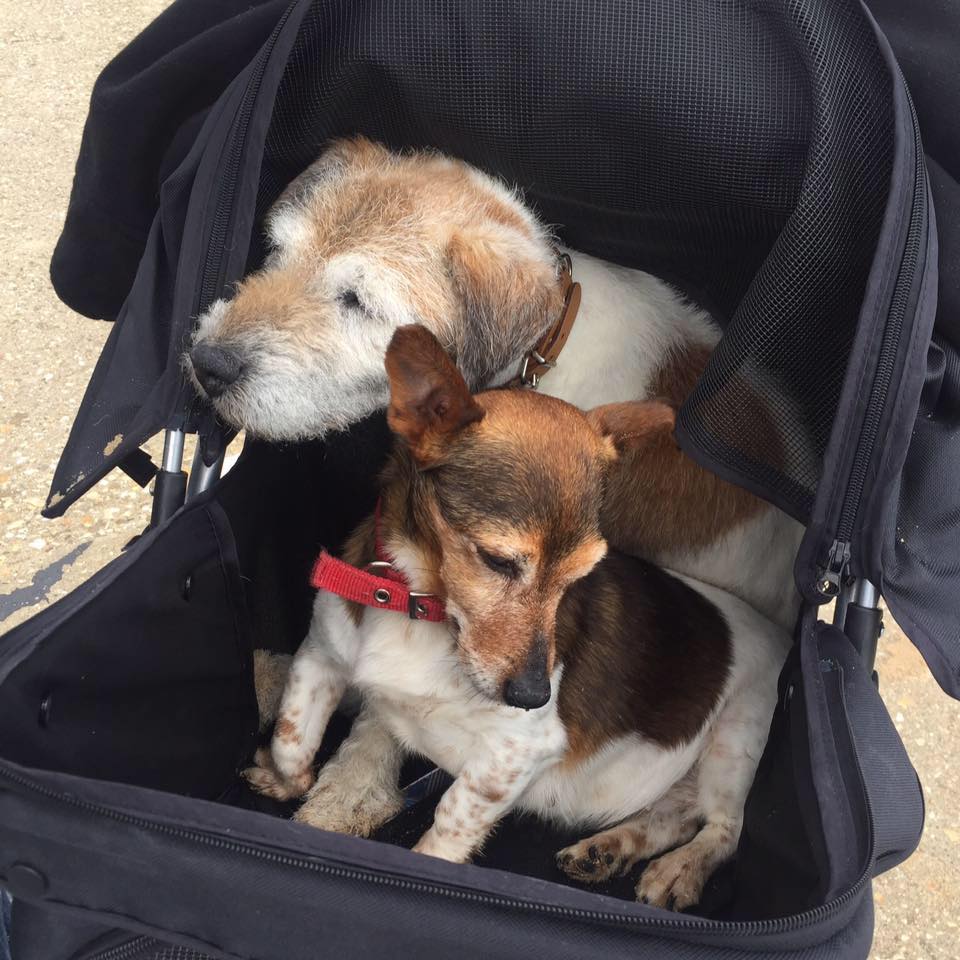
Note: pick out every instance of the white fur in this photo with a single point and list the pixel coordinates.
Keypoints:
(628, 325)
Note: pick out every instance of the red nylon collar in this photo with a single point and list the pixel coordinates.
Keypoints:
(386, 590)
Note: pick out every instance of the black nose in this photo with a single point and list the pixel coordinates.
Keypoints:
(530, 688)
(216, 367)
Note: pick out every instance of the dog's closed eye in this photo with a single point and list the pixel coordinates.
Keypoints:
(505, 566)
(350, 299)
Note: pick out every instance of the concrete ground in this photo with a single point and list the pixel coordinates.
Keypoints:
(50, 54)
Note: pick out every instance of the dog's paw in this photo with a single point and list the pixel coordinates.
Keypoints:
(594, 860)
(449, 848)
(340, 807)
(266, 779)
(674, 881)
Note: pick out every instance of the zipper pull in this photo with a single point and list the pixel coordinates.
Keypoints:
(836, 573)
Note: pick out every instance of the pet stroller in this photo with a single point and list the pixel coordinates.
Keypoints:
(762, 155)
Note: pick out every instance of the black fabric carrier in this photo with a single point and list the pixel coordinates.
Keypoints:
(762, 155)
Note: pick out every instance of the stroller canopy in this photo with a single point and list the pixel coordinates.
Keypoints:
(763, 157)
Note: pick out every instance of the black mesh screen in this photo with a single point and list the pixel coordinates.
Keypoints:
(790, 338)
(738, 149)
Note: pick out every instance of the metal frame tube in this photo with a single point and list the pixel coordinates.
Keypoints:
(866, 594)
(202, 477)
(858, 615)
(172, 451)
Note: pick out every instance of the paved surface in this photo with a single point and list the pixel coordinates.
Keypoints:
(49, 57)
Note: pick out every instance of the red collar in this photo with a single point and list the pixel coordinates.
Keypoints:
(387, 589)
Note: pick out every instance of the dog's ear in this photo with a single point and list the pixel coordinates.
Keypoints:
(287, 222)
(508, 292)
(628, 426)
(429, 399)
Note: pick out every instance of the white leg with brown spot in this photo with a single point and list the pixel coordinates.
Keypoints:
(357, 790)
(315, 686)
(487, 788)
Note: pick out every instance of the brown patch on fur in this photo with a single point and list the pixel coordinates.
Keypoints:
(657, 498)
(642, 652)
(491, 792)
(502, 295)
(287, 731)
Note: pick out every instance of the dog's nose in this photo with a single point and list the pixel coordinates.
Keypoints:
(530, 688)
(216, 367)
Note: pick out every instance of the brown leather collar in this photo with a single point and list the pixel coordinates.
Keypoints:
(543, 356)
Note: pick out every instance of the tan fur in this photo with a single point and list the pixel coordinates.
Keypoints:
(427, 221)
(658, 499)
(452, 438)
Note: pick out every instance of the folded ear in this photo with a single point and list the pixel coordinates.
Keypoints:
(629, 425)
(504, 277)
(429, 399)
(286, 223)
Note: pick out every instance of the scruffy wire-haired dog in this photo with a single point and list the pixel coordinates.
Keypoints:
(366, 240)
(610, 691)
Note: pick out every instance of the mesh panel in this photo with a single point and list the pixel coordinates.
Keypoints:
(790, 338)
(741, 150)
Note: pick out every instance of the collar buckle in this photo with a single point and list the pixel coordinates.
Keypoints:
(543, 357)
(527, 377)
(415, 609)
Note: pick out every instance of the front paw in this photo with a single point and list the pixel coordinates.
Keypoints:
(594, 860)
(266, 779)
(337, 805)
(443, 847)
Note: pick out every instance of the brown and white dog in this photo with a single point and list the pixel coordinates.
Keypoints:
(366, 240)
(559, 676)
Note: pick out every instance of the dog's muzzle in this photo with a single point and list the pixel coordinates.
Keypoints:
(215, 367)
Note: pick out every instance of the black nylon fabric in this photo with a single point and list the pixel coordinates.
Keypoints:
(810, 290)
(915, 558)
(35, 935)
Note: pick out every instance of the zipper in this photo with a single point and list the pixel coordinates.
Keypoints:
(808, 918)
(212, 274)
(835, 573)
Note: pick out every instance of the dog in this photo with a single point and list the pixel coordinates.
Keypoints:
(553, 670)
(366, 240)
